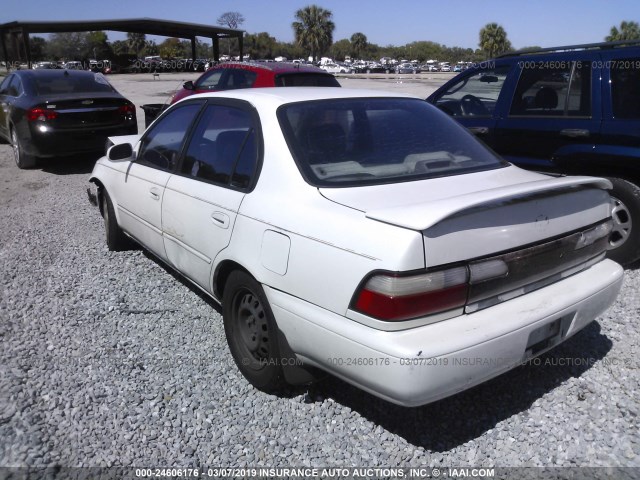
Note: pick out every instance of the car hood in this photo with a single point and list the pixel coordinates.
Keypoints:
(468, 216)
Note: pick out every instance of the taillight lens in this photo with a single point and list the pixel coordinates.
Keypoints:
(41, 115)
(127, 109)
(393, 298)
(481, 283)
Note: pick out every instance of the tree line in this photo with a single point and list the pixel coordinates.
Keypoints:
(313, 28)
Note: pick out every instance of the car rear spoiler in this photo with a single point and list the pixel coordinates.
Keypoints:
(426, 215)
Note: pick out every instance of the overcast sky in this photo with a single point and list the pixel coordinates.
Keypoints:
(544, 23)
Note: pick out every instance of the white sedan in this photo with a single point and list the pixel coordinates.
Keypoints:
(360, 233)
(335, 68)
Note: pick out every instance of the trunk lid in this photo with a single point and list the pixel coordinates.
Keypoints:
(470, 216)
(92, 110)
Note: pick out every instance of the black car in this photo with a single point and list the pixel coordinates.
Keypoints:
(48, 113)
(568, 110)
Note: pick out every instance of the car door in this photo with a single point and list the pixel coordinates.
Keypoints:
(139, 195)
(473, 99)
(202, 200)
(553, 113)
(621, 105)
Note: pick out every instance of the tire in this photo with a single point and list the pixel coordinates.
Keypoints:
(624, 241)
(117, 241)
(23, 161)
(252, 333)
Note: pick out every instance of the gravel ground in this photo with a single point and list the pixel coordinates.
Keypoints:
(109, 359)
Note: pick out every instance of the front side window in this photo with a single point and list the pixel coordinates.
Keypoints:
(223, 148)
(227, 79)
(475, 95)
(625, 88)
(553, 89)
(360, 141)
(4, 86)
(161, 147)
(210, 80)
(239, 78)
(15, 87)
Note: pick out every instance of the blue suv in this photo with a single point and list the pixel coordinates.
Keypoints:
(568, 110)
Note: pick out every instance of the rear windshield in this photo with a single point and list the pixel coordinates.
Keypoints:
(63, 82)
(360, 141)
(306, 80)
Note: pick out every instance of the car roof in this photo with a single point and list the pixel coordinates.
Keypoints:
(276, 96)
(275, 67)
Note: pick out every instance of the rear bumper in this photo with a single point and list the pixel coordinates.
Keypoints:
(421, 365)
(52, 143)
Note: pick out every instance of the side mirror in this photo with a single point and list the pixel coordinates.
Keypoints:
(188, 85)
(121, 151)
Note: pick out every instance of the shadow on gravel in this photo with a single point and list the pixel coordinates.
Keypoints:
(77, 164)
(451, 422)
(179, 278)
(633, 266)
(289, 391)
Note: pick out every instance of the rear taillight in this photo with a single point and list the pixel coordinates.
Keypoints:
(127, 109)
(393, 298)
(480, 283)
(41, 115)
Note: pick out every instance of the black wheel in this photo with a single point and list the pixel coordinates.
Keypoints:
(624, 241)
(252, 333)
(22, 159)
(117, 241)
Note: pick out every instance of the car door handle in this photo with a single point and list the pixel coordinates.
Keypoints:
(575, 132)
(220, 219)
(154, 193)
(479, 130)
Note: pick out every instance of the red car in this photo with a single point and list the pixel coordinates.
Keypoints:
(232, 75)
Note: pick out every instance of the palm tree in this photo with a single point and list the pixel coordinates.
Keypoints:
(313, 29)
(136, 42)
(359, 43)
(493, 40)
(628, 31)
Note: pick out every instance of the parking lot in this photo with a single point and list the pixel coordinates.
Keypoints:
(147, 88)
(110, 359)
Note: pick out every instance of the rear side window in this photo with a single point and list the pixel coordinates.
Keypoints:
(306, 80)
(553, 88)
(625, 88)
(223, 148)
(475, 95)
(361, 141)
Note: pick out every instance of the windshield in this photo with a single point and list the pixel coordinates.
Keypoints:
(365, 141)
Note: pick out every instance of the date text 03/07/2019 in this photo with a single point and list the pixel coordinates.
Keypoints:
(308, 472)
